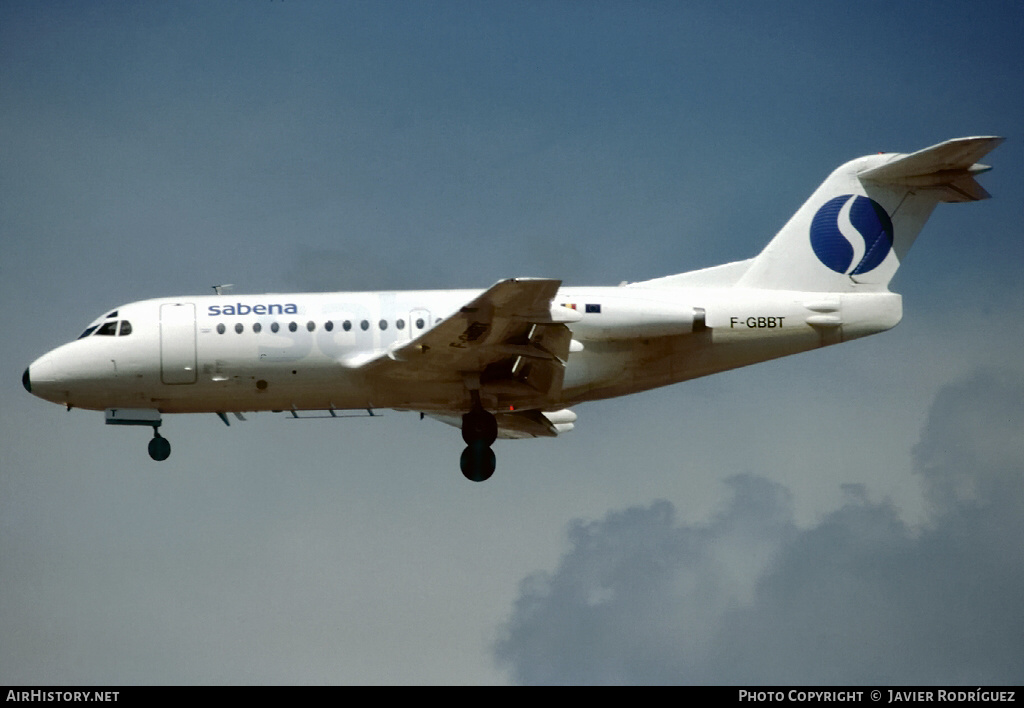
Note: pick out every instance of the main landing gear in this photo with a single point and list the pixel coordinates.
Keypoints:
(479, 430)
(159, 447)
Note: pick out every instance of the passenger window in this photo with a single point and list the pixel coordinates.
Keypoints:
(239, 328)
(311, 325)
(365, 325)
(383, 324)
(420, 323)
(328, 325)
(346, 325)
(400, 324)
(126, 328)
(292, 326)
(257, 327)
(109, 329)
(274, 327)
(221, 328)
(87, 332)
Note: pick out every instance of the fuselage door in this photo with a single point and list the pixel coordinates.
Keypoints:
(178, 343)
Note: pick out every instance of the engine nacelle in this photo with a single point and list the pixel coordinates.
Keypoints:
(634, 317)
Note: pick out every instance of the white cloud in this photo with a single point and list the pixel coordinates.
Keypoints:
(859, 597)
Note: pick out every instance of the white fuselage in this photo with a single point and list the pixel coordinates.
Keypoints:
(237, 353)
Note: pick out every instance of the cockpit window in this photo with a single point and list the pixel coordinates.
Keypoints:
(126, 328)
(87, 332)
(111, 315)
(108, 329)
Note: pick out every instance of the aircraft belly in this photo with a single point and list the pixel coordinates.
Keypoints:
(309, 386)
(269, 388)
(613, 368)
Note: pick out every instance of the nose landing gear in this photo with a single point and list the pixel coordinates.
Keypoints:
(479, 430)
(159, 448)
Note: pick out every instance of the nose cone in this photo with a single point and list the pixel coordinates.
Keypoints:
(42, 379)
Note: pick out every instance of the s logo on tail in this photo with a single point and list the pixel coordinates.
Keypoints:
(851, 230)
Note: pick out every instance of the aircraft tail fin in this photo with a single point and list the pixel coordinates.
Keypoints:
(855, 230)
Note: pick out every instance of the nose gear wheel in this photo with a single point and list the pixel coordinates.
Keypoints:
(159, 447)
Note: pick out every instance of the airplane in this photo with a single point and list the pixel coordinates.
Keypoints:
(510, 361)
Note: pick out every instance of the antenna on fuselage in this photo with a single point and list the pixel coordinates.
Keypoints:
(221, 289)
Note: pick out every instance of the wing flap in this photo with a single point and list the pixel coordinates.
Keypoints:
(520, 425)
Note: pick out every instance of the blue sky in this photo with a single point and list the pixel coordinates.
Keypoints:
(156, 149)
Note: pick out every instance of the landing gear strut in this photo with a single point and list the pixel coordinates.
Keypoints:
(159, 447)
(479, 430)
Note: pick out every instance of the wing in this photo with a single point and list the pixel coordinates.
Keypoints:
(510, 343)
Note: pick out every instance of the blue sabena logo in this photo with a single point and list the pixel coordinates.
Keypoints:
(841, 250)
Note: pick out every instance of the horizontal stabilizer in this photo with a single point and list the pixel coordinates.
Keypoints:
(948, 168)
